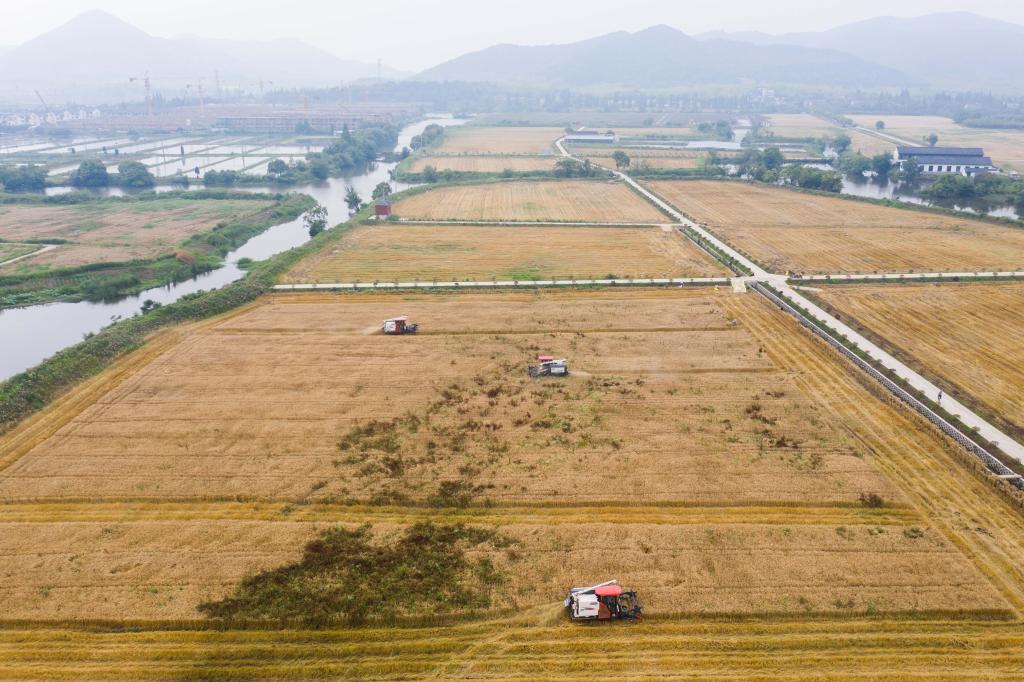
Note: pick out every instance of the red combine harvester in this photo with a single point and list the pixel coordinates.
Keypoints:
(607, 601)
(549, 366)
(399, 325)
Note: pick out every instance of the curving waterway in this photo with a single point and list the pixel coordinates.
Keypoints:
(31, 334)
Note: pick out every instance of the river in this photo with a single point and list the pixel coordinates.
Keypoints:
(31, 334)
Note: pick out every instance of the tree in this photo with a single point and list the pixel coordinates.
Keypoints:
(23, 178)
(841, 143)
(91, 174)
(134, 174)
(621, 159)
(853, 164)
(882, 164)
(773, 158)
(352, 199)
(315, 220)
(879, 125)
(277, 166)
(381, 191)
(319, 169)
(911, 171)
(932, 140)
(430, 174)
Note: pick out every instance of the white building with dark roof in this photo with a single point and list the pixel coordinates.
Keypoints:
(943, 160)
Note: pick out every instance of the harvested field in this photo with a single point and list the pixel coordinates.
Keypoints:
(869, 145)
(163, 570)
(484, 164)
(294, 399)
(967, 337)
(800, 125)
(531, 645)
(562, 201)
(499, 140)
(406, 253)
(1006, 147)
(787, 230)
(115, 231)
(652, 161)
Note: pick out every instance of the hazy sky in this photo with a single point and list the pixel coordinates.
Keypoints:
(415, 34)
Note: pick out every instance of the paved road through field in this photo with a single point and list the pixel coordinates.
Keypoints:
(780, 283)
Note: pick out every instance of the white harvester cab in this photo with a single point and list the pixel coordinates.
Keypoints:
(549, 366)
(399, 325)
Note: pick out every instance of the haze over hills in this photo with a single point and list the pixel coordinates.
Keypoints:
(955, 50)
(97, 52)
(661, 57)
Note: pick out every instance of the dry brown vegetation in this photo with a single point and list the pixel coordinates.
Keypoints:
(562, 201)
(793, 231)
(409, 253)
(111, 232)
(484, 164)
(965, 336)
(1006, 147)
(499, 140)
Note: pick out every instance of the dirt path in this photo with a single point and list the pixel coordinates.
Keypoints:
(48, 247)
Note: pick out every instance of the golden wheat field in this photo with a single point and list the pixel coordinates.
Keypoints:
(590, 201)
(733, 454)
(484, 164)
(968, 337)
(1006, 147)
(216, 417)
(499, 140)
(787, 230)
(406, 253)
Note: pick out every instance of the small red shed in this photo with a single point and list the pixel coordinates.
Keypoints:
(382, 209)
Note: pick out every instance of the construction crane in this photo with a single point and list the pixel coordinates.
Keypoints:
(149, 90)
(199, 92)
(46, 106)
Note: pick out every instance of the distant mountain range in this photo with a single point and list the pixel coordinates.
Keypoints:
(92, 57)
(96, 50)
(953, 50)
(662, 57)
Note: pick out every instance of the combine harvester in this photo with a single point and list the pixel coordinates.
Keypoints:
(397, 326)
(607, 601)
(549, 367)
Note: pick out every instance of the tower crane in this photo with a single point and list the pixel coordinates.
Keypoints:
(149, 90)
